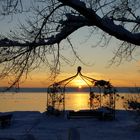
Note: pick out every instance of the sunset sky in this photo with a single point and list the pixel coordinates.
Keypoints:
(96, 60)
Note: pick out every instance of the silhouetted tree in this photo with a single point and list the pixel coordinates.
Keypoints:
(52, 21)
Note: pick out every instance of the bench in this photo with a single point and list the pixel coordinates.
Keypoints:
(5, 120)
(82, 114)
(99, 114)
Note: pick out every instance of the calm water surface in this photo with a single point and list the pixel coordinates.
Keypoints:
(38, 101)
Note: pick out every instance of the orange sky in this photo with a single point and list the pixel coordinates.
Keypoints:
(118, 77)
(97, 60)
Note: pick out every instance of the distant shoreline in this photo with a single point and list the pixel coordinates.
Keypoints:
(71, 89)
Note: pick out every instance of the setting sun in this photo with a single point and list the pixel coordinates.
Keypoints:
(79, 83)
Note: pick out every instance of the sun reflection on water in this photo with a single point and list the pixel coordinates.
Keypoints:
(37, 101)
(77, 101)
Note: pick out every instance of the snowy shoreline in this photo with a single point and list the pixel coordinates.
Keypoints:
(36, 125)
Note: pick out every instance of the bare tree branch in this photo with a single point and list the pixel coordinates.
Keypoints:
(105, 23)
(38, 38)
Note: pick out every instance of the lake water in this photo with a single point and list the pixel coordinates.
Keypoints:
(37, 101)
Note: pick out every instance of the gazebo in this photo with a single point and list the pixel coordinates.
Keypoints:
(101, 94)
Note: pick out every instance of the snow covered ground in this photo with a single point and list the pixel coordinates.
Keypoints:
(29, 125)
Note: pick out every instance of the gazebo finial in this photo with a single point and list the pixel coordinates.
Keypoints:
(79, 69)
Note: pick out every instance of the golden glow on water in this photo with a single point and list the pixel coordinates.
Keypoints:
(77, 101)
(37, 101)
(22, 102)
